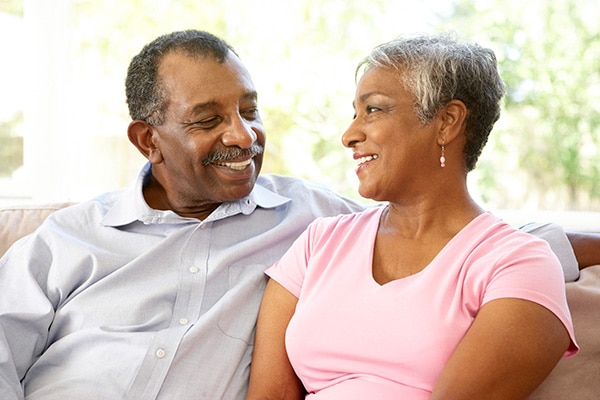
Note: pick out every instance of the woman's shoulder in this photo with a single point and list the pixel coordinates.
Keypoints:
(366, 216)
(492, 228)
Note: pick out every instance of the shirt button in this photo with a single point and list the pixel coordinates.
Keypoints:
(160, 353)
(183, 321)
(193, 270)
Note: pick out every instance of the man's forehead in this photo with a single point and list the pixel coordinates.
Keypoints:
(176, 60)
(202, 73)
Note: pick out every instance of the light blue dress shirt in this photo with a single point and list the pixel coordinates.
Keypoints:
(111, 299)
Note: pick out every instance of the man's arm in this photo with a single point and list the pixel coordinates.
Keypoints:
(586, 246)
(25, 316)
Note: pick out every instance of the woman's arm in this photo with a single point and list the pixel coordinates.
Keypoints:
(271, 374)
(510, 348)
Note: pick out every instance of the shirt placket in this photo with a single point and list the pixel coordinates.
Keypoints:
(162, 349)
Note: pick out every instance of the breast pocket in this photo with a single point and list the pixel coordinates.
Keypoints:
(239, 308)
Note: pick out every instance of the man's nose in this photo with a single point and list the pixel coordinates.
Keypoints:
(240, 134)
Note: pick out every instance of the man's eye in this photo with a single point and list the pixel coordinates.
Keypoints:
(250, 114)
(208, 123)
(371, 109)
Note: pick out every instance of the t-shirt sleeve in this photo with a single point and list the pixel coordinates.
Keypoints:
(289, 271)
(531, 272)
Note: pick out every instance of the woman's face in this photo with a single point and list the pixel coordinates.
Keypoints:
(394, 151)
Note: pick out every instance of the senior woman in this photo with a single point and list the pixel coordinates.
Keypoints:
(427, 296)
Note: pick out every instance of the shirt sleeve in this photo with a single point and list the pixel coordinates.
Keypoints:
(529, 271)
(560, 245)
(290, 270)
(24, 320)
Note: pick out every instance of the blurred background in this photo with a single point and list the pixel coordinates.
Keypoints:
(63, 116)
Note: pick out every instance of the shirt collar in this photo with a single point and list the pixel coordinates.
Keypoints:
(131, 205)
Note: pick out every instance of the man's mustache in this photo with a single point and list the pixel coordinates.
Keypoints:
(233, 153)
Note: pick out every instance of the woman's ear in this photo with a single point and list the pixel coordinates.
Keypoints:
(453, 118)
(141, 134)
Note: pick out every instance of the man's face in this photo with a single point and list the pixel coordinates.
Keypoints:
(212, 139)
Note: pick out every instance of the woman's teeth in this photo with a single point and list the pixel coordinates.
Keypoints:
(366, 158)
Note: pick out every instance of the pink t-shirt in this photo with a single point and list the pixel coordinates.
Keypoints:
(352, 338)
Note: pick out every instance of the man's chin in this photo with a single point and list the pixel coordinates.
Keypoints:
(234, 184)
(239, 189)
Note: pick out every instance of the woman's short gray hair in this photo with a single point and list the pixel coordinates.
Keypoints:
(439, 68)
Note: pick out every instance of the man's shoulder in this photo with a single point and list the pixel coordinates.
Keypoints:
(278, 183)
(290, 186)
(91, 209)
(307, 193)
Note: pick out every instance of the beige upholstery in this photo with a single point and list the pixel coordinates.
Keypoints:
(576, 378)
(16, 222)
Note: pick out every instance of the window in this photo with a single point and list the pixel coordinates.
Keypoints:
(63, 116)
(61, 139)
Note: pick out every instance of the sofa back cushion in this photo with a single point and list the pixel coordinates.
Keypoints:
(16, 222)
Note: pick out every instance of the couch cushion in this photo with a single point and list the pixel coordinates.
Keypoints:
(16, 222)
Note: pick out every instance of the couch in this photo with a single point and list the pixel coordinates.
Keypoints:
(576, 378)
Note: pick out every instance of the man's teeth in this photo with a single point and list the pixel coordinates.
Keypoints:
(366, 158)
(236, 165)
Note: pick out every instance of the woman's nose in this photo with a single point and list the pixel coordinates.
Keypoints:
(352, 135)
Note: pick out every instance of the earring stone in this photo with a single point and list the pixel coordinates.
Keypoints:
(443, 158)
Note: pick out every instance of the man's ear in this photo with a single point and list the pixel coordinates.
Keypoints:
(453, 118)
(140, 133)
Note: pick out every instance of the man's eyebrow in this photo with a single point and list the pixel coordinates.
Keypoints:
(203, 106)
(253, 95)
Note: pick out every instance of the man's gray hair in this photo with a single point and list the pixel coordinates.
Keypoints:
(146, 97)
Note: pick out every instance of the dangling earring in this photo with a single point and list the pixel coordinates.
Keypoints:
(443, 157)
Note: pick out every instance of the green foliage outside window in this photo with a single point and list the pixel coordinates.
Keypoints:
(543, 152)
(11, 146)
